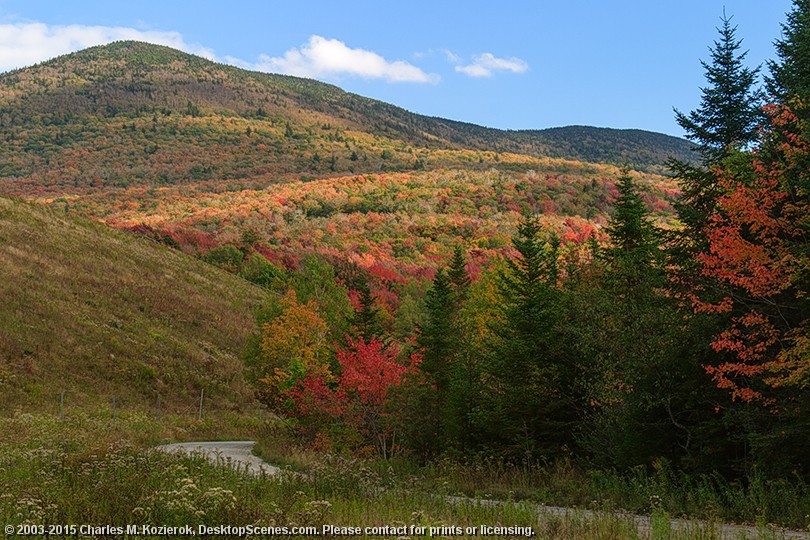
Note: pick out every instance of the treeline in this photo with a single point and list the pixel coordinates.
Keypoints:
(687, 347)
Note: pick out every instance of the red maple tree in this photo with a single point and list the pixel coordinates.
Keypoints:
(757, 249)
(368, 372)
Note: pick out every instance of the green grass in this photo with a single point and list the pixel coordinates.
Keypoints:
(92, 469)
(662, 494)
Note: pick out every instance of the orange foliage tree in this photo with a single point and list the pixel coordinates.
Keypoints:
(758, 250)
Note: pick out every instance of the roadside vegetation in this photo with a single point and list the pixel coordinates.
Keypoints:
(92, 469)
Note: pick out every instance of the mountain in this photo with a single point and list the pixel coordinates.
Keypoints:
(96, 313)
(132, 113)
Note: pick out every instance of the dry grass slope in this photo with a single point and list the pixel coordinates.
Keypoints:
(98, 313)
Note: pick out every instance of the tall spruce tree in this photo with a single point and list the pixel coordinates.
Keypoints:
(366, 319)
(727, 118)
(528, 408)
(728, 114)
(457, 273)
(630, 346)
(440, 335)
(634, 240)
(437, 336)
(790, 75)
(441, 339)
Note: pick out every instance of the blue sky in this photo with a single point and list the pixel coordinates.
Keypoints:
(508, 64)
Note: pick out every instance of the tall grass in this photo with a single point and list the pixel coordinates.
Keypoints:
(92, 469)
(784, 502)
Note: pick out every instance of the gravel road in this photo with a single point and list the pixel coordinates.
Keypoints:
(238, 454)
(235, 454)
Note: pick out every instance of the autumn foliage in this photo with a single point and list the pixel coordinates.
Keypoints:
(359, 396)
(756, 237)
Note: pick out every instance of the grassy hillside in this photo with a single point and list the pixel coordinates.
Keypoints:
(132, 113)
(99, 313)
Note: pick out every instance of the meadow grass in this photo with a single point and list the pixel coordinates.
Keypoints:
(662, 494)
(92, 469)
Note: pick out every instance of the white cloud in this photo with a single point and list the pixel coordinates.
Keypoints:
(484, 65)
(322, 57)
(24, 44)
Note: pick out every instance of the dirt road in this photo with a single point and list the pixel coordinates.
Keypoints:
(236, 454)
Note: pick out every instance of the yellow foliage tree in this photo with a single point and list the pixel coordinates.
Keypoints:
(293, 345)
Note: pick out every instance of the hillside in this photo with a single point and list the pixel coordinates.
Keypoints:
(137, 114)
(98, 313)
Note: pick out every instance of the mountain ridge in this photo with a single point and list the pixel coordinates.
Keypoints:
(164, 93)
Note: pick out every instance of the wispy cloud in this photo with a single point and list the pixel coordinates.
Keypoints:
(451, 56)
(486, 64)
(23, 44)
(332, 58)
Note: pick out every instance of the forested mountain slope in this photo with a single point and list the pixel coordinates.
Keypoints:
(132, 113)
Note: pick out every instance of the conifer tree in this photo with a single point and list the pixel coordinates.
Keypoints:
(528, 405)
(441, 341)
(727, 119)
(790, 75)
(457, 273)
(630, 346)
(437, 335)
(728, 114)
(631, 233)
(366, 318)
(440, 336)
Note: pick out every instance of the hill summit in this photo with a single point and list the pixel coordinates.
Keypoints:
(136, 113)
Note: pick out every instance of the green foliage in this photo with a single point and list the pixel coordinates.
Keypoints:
(226, 257)
(729, 113)
(633, 252)
(728, 118)
(367, 319)
(316, 282)
(257, 269)
(527, 407)
(640, 388)
(790, 75)
(438, 336)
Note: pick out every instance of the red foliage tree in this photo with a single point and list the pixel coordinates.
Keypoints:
(368, 373)
(758, 249)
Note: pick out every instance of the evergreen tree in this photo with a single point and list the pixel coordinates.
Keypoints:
(366, 319)
(437, 336)
(528, 407)
(728, 115)
(631, 346)
(441, 336)
(790, 76)
(441, 340)
(457, 273)
(632, 236)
